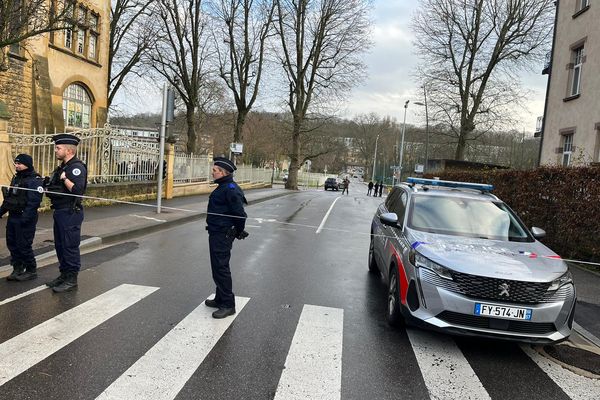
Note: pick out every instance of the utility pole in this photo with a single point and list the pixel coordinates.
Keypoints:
(402, 144)
(375, 159)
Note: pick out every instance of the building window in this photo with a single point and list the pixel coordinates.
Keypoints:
(81, 15)
(80, 41)
(583, 4)
(92, 46)
(94, 22)
(77, 107)
(576, 75)
(68, 38)
(567, 149)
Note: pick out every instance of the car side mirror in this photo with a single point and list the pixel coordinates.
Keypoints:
(538, 233)
(389, 219)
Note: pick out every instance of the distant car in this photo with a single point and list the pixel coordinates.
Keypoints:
(459, 260)
(332, 183)
(285, 178)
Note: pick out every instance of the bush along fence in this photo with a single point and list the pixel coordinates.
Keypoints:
(565, 202)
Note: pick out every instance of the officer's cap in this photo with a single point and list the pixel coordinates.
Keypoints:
(224, 163)
(65, 138)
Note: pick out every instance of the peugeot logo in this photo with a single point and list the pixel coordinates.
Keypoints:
(504, 290)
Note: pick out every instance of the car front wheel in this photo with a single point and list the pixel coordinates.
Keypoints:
(394, 315)
(372, 262)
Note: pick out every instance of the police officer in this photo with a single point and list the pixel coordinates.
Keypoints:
(225, 220)
(68, 181)
(22, 207)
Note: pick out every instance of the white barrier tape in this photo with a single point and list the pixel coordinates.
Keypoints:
(259, 220)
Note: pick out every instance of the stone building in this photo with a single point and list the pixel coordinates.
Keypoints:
(58, 81)
(571, 124)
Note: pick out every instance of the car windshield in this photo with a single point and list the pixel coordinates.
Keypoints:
(461, 216)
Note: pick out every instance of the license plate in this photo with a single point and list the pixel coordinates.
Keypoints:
(491, 310)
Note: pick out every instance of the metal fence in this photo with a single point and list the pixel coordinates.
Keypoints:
(189, 168)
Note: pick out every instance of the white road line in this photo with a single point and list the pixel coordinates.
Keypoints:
(163, 371)
(27, 293)
(327, 214)
(446, 371)
(577, 387)
(29, 348)
(148, 218)
(313, 368)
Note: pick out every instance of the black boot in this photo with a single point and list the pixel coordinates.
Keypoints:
(18, 269)
(56, 281)
(68, 284)
(30, 273)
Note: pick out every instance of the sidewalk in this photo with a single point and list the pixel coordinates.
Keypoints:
(108, 224)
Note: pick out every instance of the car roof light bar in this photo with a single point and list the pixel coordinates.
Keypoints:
(451, 184)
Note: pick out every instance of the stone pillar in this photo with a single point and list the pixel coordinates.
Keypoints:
(170, 158)
(7, 167)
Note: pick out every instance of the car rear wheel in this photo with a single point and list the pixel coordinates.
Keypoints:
(372, 262)
(394, 314)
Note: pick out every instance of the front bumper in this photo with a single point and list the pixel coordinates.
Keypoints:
(448, 311)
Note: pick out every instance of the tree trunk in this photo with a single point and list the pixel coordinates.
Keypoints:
(238, 129)
(191, 129)
(459, 154)
(292, 182)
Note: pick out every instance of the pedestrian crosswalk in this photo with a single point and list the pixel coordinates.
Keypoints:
(314, 363)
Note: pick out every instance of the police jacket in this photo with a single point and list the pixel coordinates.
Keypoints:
(24, 203)
(76, 172)
(227, 199)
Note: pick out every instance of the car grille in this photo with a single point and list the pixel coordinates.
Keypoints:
(473, 321)
(479, 287)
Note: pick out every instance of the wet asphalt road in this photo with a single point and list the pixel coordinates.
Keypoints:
(281, 267)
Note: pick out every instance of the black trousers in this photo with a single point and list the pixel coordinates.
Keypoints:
(220, 254)
(19, 239)
(67, 236)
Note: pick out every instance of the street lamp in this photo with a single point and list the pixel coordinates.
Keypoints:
(374, 159)
(402, 144)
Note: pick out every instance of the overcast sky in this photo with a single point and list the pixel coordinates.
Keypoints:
(390, 83)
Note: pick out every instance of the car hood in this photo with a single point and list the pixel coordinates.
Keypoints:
(526, 261)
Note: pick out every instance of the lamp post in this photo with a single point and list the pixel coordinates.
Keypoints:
(402, 144)
(374, 159)
(426, 131)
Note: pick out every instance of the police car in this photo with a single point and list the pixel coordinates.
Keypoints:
(457, 259)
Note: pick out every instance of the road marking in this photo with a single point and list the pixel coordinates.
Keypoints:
(29, 348)
(446, 371)
(577, 387)
(327, 215)
(163, 371)
(27, 293)
(313, 368)
(148, 218)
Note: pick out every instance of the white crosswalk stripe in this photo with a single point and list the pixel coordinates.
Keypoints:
(577, 387)
(163, 371)
(313, 368)
(29, 348)
(447, 373)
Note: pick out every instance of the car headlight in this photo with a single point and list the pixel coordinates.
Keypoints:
(563, 280)
(420, 261)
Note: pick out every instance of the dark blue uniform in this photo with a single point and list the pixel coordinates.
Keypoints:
(68, 213)
(225, 203)
(22, 207)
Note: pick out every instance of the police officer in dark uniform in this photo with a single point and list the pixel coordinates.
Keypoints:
(225, 220)
(22, 207)
(68, 181)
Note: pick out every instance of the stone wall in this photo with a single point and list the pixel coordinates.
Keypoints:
(17, 92)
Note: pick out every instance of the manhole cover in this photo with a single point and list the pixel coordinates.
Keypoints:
(582, 359)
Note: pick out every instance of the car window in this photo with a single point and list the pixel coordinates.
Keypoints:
(391, 198)
(466, 217)
(398, 204)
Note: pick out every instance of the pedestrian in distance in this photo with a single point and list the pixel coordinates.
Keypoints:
(380, 188)
(225, 222)
(370, 186)
(67, 183)
(346, 186)
(22, 207)
(375, 188)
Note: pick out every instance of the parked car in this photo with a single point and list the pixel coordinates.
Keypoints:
(457, 259)
(332, 183)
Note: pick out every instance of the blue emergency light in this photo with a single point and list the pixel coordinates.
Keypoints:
(451, 184)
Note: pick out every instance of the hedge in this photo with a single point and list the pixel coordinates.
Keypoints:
(565, 202)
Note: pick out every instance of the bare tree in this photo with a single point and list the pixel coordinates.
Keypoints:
(23, 19)
(471, 52)
(182, 55)
(132, 34)
(240, 37)
(322, 42)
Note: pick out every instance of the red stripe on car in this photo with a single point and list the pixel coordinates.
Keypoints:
(401, 275)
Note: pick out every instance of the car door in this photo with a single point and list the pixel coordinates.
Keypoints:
(394, 236)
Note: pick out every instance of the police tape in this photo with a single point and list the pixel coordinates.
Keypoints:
(257, 219)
